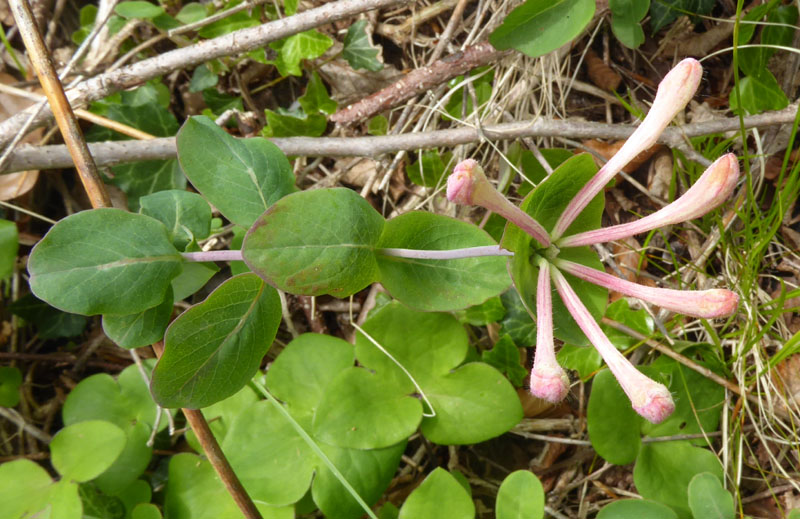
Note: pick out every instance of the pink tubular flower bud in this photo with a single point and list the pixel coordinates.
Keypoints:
(650, 399)
(548, 380)
(711, 189)
(468, 185)
(674, 92)
(706, 304)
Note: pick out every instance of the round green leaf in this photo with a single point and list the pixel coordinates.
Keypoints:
(63, 501)
(138, 9)
(221, 415)
(240, 177)
(9, 245)
(540, 26)
(305, 368)
(23, 485)
(104, 261)
(83, 451)
(613, 424)
(146, 511)
(10, 380)
(473, 404)
(520, 496)
(274, 463)
(215, 347)
(316, 242)
(187, 216)
(709, 499)
(440, 491)
(636, 509)
(140, 329)
(361, 410)
(663, 471)
(439, 285)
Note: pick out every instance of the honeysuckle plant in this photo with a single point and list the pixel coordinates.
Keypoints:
(549, 254)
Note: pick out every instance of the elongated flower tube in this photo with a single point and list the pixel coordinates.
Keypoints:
(674, 92)
(706, 304)
(650, 399)
(548, 380)
(468, 185)
(713, 187)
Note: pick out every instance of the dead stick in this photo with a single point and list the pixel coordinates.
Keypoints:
(54, 91)
(216, 457)
(418, 81)
(237, 42)
(119, 152)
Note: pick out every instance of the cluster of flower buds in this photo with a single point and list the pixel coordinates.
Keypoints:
(652, 400)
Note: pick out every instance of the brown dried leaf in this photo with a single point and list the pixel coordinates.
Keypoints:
(787, 377)
(659, 176)
(16, 184)
(601, 74)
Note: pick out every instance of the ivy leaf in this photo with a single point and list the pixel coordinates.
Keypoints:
(429, 169)
(758, 94)
(294, 124)
(202, 78)
(358, 49)
(316, 242)
(294, 49)
(234, 22)
(104, 261)
(664, 12)
(505, 357)
(196, 370)
(316, 98)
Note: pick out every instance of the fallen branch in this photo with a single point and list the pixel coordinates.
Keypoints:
(418, 81)
(119, 152)
(237, 42)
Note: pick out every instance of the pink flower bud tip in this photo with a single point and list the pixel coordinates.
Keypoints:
(461, 182)
(653, 402)
(681, 82)
(717, 302)
(549, 383)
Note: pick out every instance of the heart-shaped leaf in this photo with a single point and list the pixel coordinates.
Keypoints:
(316, 242)
(520, 496)
(104, 261)
(709, 499)
(240, 177)
(440, 491)
(439, 285)
(215, 347)
(82, 451)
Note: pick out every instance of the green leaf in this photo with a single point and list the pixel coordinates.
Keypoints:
(240, 177)
(194, 491)
(294, 124)
(192, 278)
(23, 486)
(541, 26)
(429, 169)
(97, 504)
(138, 179)
(545, 204)
(316, 242)
(485, 313)
(638, 320)
(517, 323)
(219, 102)
(8, 248)
(440, 491)
(505, 357)
(316, 98)
(146, 511)
(294, 49)
(358, 49)
(520, 496)
(221, 415)
(290, 6)
(10, 381)
(613, 424)
(138, 9)
(140, 329)
(186, 215)
(664, 12)
(239, 320)
(583, 359)
(378, 125)
(439, 285)
(664, 470)
(758, 94)
(202, 78)
(636, 509)
(50, 322)
(192, 12)
(104, 261)
(625, 25)
(234, 22)
(361, 410)
(533, 171)
(709, 499)
(482, 84)
(82, 451)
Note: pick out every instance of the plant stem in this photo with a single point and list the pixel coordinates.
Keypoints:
(468, 252)
(213, 255)
(311, 443)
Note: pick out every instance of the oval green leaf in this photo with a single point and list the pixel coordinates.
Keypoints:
(23, 485)
(140, 329)
(82, 451)
(520, 496)
(240, 177)
(636, 509)
(215, 347)
(440, 491)
(439, 285)
(709, 499)
(316, 242)
(104, 261)
(613, 424)
(187, 216)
